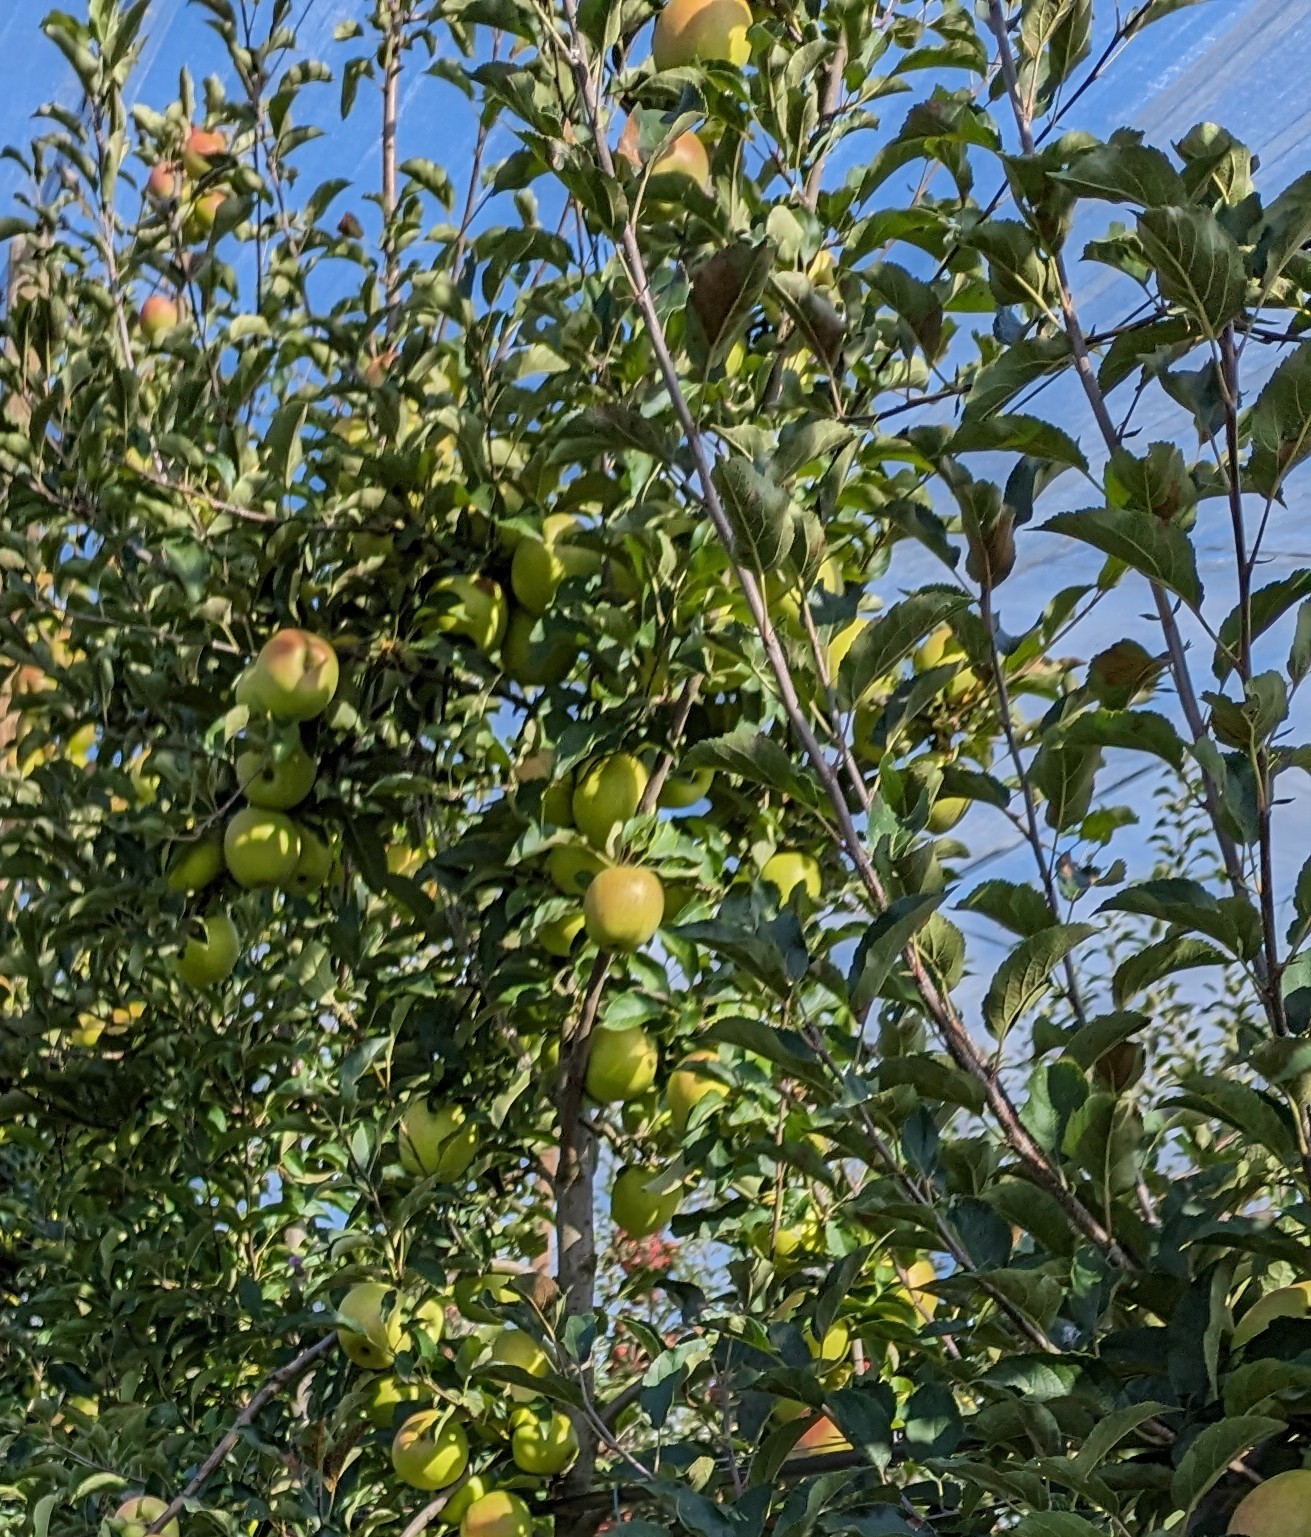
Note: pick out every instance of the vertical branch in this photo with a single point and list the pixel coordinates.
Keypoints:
(391, 88)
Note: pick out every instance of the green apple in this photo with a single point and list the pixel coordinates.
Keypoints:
(478, 1296)
(498, 1514)
(572, 868)
(636, 1208)
(558, 936)
(680, 791)
(261, 847)
(607, 794)
(472, 607)
(535, 664)
(544, 1446)
(430, 1450)
(441, 1142)
(136, 1514)
(623, 907)
(621, 1065)
(688, 1086)
(558, 802)
(512, 1347)
(1285, 1302)
(372, 1328)
(384, 1393)
(195, 866)
(201, 213)
(473, 1488)
(314, 865)
(788, 869)
(295, 675)
(1278, 1507)
(205, 961)
(273, 782)
(702, 31)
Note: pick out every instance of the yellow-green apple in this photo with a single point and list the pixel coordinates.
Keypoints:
(680, 791)
(478, 1296)
(636, 1208)
(498, 1514)
(607, 794)
(276, 783)
(688, 1085)
(788, 869)
(261, 847)
(558, 802)
(314, 865)
(294, 676)
(540, 565)
(939, 648)
(544, 1445)
(919, 1276)
(439, 1142)
(701, 31)
(572, 868)
(428, 1320)
(430, 1450)
(621, 1064)
(200, 149)
(535, 664)
(791, 1241)
(1278, 1507)
(384, 1393)
(686, 156)
(623, 907)
(208, 959)
(372, 1327)
(473, 607)
(195, 866)
(512, 1347)
(158, 314)
(164, 182)
(473, 1488)
(201, 213)
(138, 1513)
(558, 936)
(1285, 1302)
(832, 1346)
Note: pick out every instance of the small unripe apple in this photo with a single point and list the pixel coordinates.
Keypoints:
(294, 676)
(680, 791)
(544, 1447)
(201, 148)
(788, 869)
(512, 1347)
(430, 1450)
(636, 1208)
(473, 607)
(261, 847)
(139, 1512)
(701, 31)
(572, 868)
(439, 1142)
(205, 961)
(688, 1086)
(1279, 1507)
(623, 907)
(621, 1065)
(164, 182)
(372, 1328)
(276, 783)
(1285, 1302)
(195, 866)
(558, 936)
(158, 314)
(498, 1514)
(607, 795)
(314, 865)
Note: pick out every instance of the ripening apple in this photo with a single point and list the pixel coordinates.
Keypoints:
(441, 1142)
(544, 1446)
(430, 1450)
(139, 1512)
(688, 1086)
(205, 961)
(680, 791)
(202, 211)
(473, 607)
(158, 314)
(512, 1347)
(195, 866)
(372, 1329)
(294, 676)
(558, 936)
(820, 1439)
(1278, 1507)
(788, 869)
(1285, 1302)
(623, 907)
(636, 1208)
(498, 1514)
(621, 1065)
(200, 149)
(702, 31)
(535, 664)
(314, 865)
(572, 868)
(261, 847)
(164, 182)
(607, 794)
(686, 157)
(383, 1395)
(276, 783)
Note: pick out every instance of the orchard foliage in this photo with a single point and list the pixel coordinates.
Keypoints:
(658, 473)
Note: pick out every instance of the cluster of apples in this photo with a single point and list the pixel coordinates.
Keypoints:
(186, 184)
(430, 1448)
(293, 680)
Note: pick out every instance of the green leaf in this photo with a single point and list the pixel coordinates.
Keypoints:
(1281, 422)
(1197, 262)
(1190, 906)
(1132, 730)
(1057, 1523)
(1111, 1429)
(1014, 370)
(1210, 1454)
(886, 642)
(747, 752)
(883, 942)
(1021, 435)
(1284, 230)
(759, 510)
(1244, 1108)
(1021, 909)
(1125, 173)
(1024, 976)
(1159, 551)
(1269, 604)
(1093, 1040)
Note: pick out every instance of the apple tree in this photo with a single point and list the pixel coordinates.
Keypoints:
(580, 943)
